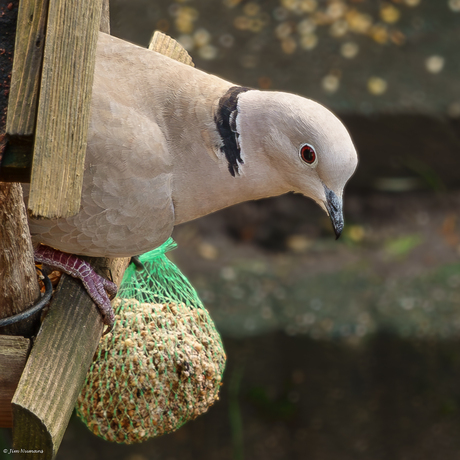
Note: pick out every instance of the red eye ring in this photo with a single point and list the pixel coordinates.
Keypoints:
(308, 154)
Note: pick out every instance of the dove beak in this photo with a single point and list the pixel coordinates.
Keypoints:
(334, 208)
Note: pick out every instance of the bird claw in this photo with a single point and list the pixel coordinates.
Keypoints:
(96, 285)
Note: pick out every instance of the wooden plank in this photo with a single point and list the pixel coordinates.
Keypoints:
(17, 160)
(105, 17)
(163, 44)
(64, 107)
(13, 357)
(28, 56)
(56, 369)
(8, 21)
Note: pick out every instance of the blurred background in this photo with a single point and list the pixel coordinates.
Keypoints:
(337, 350)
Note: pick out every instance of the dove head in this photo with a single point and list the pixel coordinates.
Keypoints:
(301, 146)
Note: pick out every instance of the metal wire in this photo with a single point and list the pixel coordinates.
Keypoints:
(34, 308)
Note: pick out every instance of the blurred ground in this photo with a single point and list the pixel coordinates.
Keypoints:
(337, 350)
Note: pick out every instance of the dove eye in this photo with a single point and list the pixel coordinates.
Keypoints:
(308, 154)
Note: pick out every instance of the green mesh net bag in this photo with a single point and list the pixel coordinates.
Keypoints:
(162, 364)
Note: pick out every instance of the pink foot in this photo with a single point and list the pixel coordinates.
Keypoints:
(96, 285)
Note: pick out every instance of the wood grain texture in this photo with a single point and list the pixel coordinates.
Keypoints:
(105, 17)
(163, 44)
(8, 21)
(18, 277)
(64, 107)
(56, 369)
(17, 153)
(15, 161)
(18, 280)
(28, 56)
(13, 357)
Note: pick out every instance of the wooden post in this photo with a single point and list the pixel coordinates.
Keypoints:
(18, 278)
(18, 281)
(64, 107)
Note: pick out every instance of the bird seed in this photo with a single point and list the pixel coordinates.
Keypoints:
(160, 367)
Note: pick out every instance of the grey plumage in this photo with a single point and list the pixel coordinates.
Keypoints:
(156, 157)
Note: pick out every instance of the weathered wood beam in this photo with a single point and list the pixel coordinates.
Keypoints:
(8, 21)
(16, 150)
(58, 363)
(13, 357)
(105, 17)
(17, 147)
(162, 43)
(28, 56)
(64, 107)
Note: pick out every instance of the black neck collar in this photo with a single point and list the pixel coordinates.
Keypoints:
(225, 119)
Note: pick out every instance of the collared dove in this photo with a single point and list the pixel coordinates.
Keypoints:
(168, 143)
